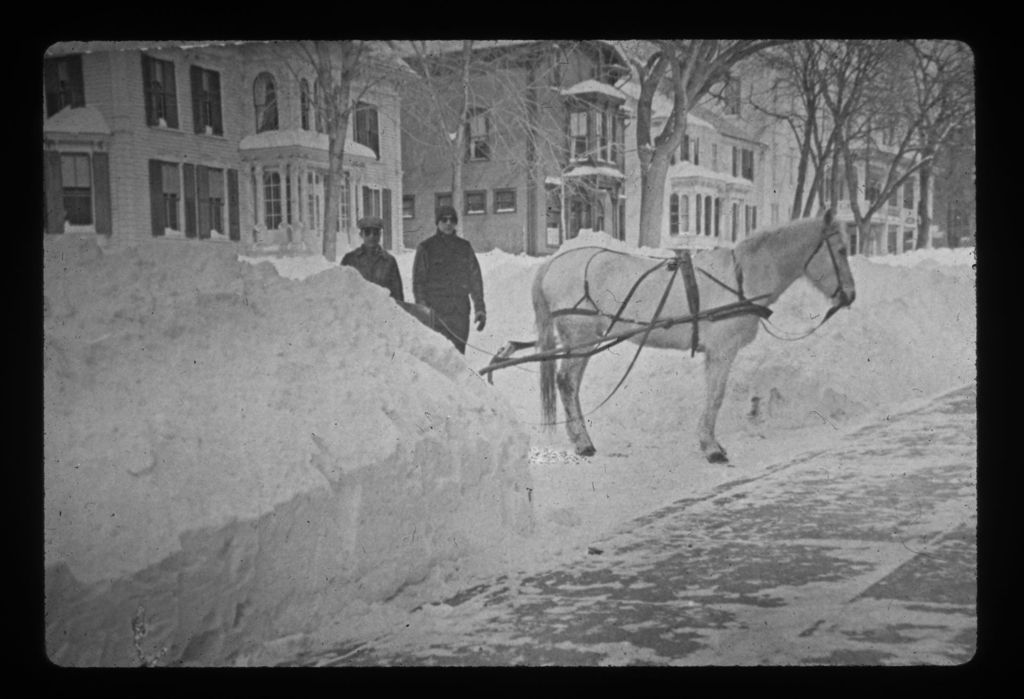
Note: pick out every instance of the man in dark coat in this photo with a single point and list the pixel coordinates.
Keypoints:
(445, 276)
(372, 261)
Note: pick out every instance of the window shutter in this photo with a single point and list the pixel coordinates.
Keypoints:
(385, 213)
(50, 81)
(234, 232)
(77, 81)
(196, 79)
(101, 185)
(203, 190)
(54, 192)
(172, 95)
(156, 196)
(189, 177)
(218, 119)
(146, 98)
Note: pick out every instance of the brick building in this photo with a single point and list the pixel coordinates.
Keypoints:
(213, 142)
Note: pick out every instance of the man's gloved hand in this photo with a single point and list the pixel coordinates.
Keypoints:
(481, 320)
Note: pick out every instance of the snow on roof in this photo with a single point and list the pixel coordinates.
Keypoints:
(584, 170)
(661, 106)
(553, 180)
(591, 86)
(300, 137)
(77, 120)
(688, 169)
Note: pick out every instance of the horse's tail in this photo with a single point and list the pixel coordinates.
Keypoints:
(545, 342)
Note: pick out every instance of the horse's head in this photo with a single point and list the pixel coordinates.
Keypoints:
(828, 267)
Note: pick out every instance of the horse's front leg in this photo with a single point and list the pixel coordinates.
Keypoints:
(716, 373)
(569, 377)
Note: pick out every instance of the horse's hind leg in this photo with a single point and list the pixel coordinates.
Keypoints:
(569, 378)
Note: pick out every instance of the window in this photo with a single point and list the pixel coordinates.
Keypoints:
(345, 203)
(673, 214)
(318, 108)
(684, 148)
(684, 214)
(708, 213)
(696, 151)
(775, 214)
(160, 92)
(272, 199)
(578, 134)
(264, 98)
(442, 199)
(365, 129)
(478, 146)
(371, 201)
(409, 206)
(892, 240)
(504, 201)
(64, 84)
(206, 112)
(171, 190)
(476, 202)
(893, 201)
(735, 221)
(718, 215)
(735, 161)
(747, 163)
(602, 137)
(76, 180)
(697, 217)
(314, 200)
(305, 104)
(615, 149)
(210, 182)
(714, 157)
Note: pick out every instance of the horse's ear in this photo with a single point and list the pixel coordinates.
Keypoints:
(829, 215)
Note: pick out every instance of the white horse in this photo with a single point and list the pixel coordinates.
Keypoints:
(579, 294)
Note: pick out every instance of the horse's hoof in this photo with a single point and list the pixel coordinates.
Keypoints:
(586, 451)
(718, 457)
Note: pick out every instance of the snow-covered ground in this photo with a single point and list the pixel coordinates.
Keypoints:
(909, 335)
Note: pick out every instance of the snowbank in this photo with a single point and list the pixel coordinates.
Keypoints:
(230, 455)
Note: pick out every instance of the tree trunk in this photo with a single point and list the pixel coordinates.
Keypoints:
(801, 174)
(652, 200)
(335, 104)
(924, 222)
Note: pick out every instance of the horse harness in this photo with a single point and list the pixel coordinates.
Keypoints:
(681, 263)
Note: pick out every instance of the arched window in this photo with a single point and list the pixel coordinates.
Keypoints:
(304, 104)
(264, 97)
(673, 214)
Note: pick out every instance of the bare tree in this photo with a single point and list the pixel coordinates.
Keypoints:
(942, 76)
(686, 70)
(345, 71)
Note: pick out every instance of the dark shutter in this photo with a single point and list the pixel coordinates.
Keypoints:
(77, 81)
(234, 232)
(385, 213)
(203, 189)
(171, 90)
(189, 172)
(150, 119)
(52, 87)
(195, 74)
(101, 191)
(156, 196)
(54, 192)
(218, 121)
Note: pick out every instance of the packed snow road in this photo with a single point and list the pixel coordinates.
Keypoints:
(863, 552)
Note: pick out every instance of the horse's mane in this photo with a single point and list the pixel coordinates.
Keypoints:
(768, 236)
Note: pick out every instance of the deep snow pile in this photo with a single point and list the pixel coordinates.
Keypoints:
(186, 391)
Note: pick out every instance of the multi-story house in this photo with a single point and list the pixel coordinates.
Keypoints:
(215, 142)
(718, 187)
(544, 156)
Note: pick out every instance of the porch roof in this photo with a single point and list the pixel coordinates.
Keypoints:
(77, 120)
(687, 170)
(589, 87)
(299, 137)
(584, 170)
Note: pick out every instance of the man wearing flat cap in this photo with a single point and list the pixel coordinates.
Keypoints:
(372, 261)
(445, 276)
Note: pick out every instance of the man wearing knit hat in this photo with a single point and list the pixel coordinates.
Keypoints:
(445, 276)
(372, 261)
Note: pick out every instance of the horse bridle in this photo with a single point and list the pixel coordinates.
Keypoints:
(844, 300)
